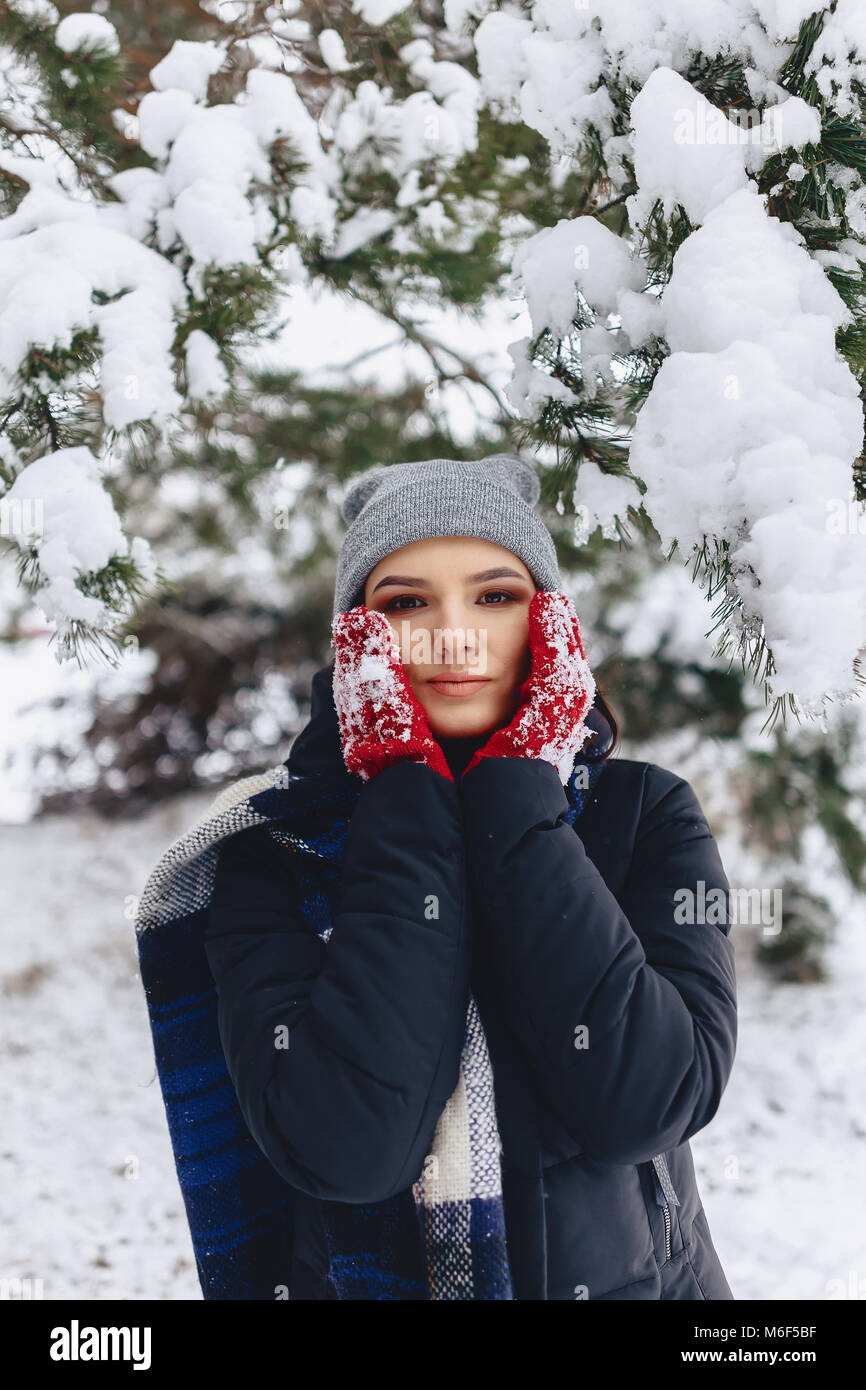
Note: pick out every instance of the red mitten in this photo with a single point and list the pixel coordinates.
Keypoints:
(381, 722)
(556, 694)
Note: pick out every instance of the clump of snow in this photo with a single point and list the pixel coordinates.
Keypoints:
(85, 31)
(207, 377)
(42, 11)
(137, 374)
(438, 123)
(48, 279)
(80, 532)
(685, 149)
(217, 152)
(599, 498)
(451, 86)
(749, 432)
(142, 192)
(188, 67)
(578, 253)
(333, 50)
(502, 63)
(376, 12)
(161, 118)
(794, 124)
(838, 58)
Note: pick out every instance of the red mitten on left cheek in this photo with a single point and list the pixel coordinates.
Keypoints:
(556, 694)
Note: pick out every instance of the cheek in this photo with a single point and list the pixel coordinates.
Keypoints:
(508, 652)
(513, 646)
(401, 626)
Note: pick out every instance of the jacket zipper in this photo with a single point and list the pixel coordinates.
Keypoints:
(666, 1213)
(665, 1196)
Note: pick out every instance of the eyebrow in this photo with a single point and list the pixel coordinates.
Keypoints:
(402, 580)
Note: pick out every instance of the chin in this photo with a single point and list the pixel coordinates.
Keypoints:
(459, 722)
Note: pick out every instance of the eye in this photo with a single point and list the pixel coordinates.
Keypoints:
(394, 601)
(492, 593)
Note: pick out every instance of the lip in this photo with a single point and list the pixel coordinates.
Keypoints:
(459, 686)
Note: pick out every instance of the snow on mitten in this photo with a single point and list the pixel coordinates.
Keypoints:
(381, 721)
(556, 694)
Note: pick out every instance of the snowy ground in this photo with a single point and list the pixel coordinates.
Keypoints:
(89, 1200)
(781, 1167)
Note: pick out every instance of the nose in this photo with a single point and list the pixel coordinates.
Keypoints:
(460, 622)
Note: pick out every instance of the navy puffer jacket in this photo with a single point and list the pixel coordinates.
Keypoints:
(552, 926)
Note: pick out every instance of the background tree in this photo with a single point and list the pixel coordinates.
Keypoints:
(175, 183)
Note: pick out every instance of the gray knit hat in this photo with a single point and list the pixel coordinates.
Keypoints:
(390, 505)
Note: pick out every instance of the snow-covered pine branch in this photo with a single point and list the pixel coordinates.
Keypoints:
(698, 346)
(708, 300)
(140, 251)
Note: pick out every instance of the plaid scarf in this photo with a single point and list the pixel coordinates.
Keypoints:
(442, 1239)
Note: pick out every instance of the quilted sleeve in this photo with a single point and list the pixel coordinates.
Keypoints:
(625, 1009)
(374, 1018)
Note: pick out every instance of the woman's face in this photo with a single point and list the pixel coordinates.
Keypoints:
(458, 606)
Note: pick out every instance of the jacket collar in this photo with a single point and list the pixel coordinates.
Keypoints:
(317, 747)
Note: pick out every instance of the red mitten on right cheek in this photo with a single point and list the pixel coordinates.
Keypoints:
(381, 721)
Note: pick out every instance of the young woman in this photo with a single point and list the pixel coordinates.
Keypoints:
(467, 1023)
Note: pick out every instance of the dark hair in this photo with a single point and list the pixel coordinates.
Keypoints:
(600, 703)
